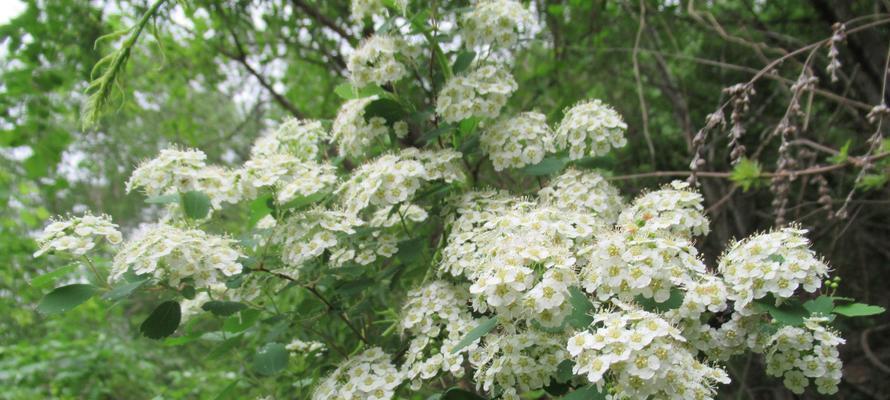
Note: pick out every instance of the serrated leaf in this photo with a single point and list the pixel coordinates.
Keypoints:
(547, 166)
(223, 308)
(589, 392)
(50, 277)
(820, 305)
(460, 394)
(463, 61)
(164, 199)
(163, 321)
(195, 204)
(124, 290)
(270, 359)
(746, 173)
(858, 310)
(65, 298)
(485, 325)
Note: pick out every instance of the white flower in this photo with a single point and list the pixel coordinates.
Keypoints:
(496, 23)
(77, 235)
(379, 60)
(355, 135)
(583, 192)
(480, 93)
(369, 375)
(590, 128)
(361, 9)
(518, 141)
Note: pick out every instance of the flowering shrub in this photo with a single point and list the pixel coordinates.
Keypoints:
(387, 220)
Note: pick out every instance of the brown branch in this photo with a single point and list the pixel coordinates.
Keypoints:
(324, 20)
(241, 57)
(327, 303)
(725, 175)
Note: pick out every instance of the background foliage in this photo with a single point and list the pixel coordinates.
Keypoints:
(215, 74)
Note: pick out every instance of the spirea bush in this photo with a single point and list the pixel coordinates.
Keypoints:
(451, 243)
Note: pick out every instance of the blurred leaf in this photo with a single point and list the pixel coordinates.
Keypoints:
(589, 392)
(858, 310)
(165, 199)
(124, 290)
(388, 109)
(547, 166)
(50, 277)
(460, 394)
(463, 61)
(270, 359)
(581, 306)
(746, 173)
(223, 308)
(673, 302)
(485, 325)
(347, 92)
(163, 321)
(842, 155)
(65, 298)
(195, 204)
(788, 313)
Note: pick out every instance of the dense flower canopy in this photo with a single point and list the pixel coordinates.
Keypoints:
(570, 283)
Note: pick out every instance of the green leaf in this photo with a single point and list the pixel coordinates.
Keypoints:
(228, 392)
(589, 392)
(788, 313)
(223, 308)
(673, 302)
(820, 305)
(564, 371)
(195, 204)
(485, 325)
(165, 199)
(302, 202)
(547, 166)
(776, 258)
(388, 109)
(270, 359)
(581, 306)
(746, 173)
(348, 92)
(50, 277)
(435, 133)
(460, 394)
(163, 321)
(858, 310)
(225, 347)
(463, 61)
(65, 298)
(842, 155)
(124, 290)
(245, 319)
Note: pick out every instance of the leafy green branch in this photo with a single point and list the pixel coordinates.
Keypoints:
(101, 88)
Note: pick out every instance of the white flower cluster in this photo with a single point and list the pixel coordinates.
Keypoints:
(377, 61)
(472, 211)
(583, 192)
(437, 318)
(528, 261)
(307, 234)
(77, 235)
(673, 209)
(175, 170)
(776, 262)
(290, 177)
(704, 293)
(306, 347)
(367, 376)
(480, 93)
(643, 356)
(802, 353)
(517, 361)
(496, 23)
(382, 240)
(172, 254)
(392, 179)
(518, 141)
(355, 135)
(590, 128)
(298, 138)
(625, 265)
(361, 9)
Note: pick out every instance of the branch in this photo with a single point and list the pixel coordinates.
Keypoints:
(241, 57)
(323, 19)
(327, 303)
(726, 175)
